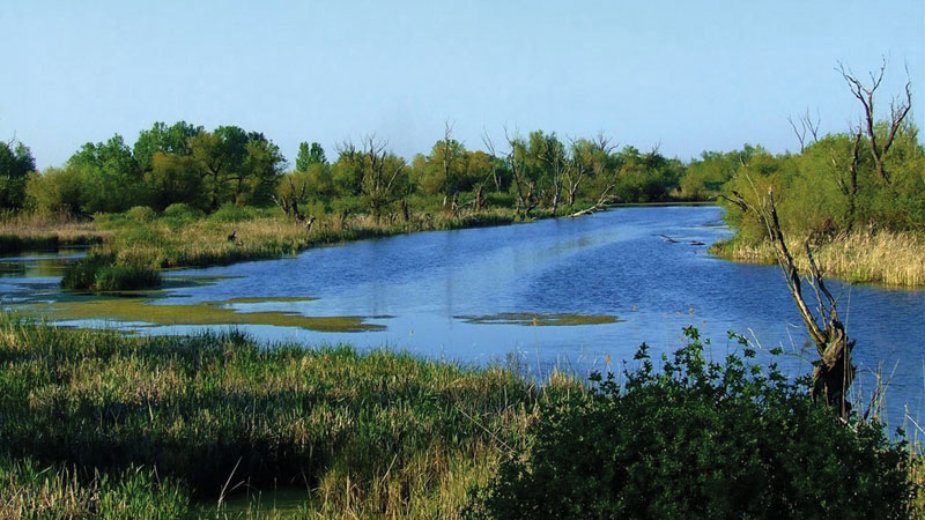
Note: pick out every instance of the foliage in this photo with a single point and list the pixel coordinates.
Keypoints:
(16, 162)
(141, 214)
(100, 273)
(56, 191)
(111, 180)
(309, 155)
(698, 439)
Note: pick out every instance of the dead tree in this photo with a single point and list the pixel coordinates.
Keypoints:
(524, 185)
(833, 371)
(809, 129)
(899, 109)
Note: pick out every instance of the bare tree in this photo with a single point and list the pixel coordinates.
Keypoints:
(524, 185)
(899, 109)
(809, 128)
(381, 171)
(833, 371)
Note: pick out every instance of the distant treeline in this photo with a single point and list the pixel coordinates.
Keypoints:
(819, 190)
(185, 163)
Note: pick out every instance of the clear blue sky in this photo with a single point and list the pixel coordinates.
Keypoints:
(687, 75)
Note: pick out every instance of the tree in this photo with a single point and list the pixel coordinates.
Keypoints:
(236, 166)
(16, 162)
(309, 155)
(163, 139)
(385, 176)
(173, 179)
(833, 372)
(879, 143)
(56, 191)
(110, 175)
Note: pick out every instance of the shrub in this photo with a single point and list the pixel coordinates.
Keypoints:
(232, 213)
(141, 214)
(99, 272)
(181, 210)
(698, 440)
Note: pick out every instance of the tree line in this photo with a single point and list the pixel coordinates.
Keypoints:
(185, 163)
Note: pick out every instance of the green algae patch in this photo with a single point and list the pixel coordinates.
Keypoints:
(141, 310)
(267, 299)
(541, 319)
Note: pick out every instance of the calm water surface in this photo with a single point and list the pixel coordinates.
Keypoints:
(615, 263)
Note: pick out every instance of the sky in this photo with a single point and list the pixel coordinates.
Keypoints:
(683, 76)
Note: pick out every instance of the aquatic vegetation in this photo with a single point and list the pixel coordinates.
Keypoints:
(378, 434)
(267, 299)
(540, 319)
(208, 313)
(32, 490)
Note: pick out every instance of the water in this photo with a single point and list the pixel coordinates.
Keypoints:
(613, 263)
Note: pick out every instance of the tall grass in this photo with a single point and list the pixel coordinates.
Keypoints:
(380, 434)
(36, 231)
(30, 490)
(890, 258)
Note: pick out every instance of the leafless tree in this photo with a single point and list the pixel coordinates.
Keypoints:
(833, 371)
(809, 128)
(381, 170)
(899, 109)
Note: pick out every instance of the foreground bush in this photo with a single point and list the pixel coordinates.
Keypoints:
(698, 440)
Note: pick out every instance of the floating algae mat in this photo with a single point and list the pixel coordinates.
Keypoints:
(267, 299)
(541, 319)
(208, 313)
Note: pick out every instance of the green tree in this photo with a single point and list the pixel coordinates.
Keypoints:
(56, 191)
(236, 166)
(173, 179)
(15, 164)
(164, 139)
(110, 175)
(309, 154)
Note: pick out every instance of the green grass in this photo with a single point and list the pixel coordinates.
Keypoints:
(378, 434)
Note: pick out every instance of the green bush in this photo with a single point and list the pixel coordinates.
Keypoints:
(233, 213)
(99, 272)
(698, 440)
(181, 210)
(141, 214)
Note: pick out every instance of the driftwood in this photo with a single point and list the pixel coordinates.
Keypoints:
(833, 371)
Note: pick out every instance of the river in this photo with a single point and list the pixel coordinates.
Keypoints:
(425, 289)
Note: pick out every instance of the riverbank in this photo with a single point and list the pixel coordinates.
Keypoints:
(887, 258)
(27, 232)
(161, 424)
(103, 425)
(130, 249)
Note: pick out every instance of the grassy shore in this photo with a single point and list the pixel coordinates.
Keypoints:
(131, 248)
(100, 425)
(96, 421)
(32, 232)
(887, 258)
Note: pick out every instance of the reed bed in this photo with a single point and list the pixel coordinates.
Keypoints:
(166, 243)
(889, 258)
(379, 434)
(25, 232)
